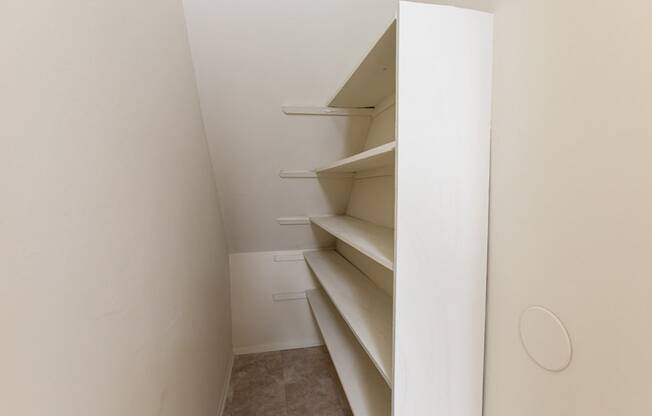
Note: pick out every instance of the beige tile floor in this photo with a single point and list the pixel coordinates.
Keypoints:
(299, 382)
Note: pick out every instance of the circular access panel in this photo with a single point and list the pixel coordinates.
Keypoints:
(545, 339)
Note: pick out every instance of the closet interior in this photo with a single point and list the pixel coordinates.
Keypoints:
(402, 292)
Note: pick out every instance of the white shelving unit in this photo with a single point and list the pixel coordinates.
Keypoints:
(414, 347)
(366, 391)
(364, 307)
(373, 240)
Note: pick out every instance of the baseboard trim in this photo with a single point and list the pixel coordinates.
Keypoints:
(254, 349)
(227, 382)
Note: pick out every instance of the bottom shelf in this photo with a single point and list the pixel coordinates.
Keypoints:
(366, 390)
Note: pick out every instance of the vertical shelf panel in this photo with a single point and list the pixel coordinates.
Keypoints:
(444, 115)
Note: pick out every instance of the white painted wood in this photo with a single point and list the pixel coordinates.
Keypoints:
(372, 196)
(373, 200)
(293, 220)
(284, 297)
(373, 240)
(444, 114)
(370, 159)
(365, 308)
(365, 389)
(311, 174)
(288, 257)
(382, 129)
(374, 78)
(376, 173)
(384, 105)
(328, 111)
(380, 275)
(287, 173)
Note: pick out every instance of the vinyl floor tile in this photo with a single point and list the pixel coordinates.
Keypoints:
(300, 382)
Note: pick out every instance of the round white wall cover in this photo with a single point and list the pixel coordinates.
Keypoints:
(545, 339)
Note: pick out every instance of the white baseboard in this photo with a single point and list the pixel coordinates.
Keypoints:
(227, 382)
(253, 349)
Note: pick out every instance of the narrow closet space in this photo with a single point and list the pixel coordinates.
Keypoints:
(282, 208)
(353, 304)
(399, 280)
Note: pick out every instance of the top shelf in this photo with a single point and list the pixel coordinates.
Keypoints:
(375, 77)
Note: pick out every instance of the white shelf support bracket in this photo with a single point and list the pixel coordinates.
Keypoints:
(311, 174)
(297, 174)
(284, 297)
(327, 111)
(293, 221)
(281, 258)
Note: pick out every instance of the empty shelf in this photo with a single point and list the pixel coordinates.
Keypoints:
(373, 158)
(372, 240)
(375, 77)
(367, 392)
(365, 308)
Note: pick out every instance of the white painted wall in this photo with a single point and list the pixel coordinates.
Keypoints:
(571, 204)
(260, 323)
(114, 290)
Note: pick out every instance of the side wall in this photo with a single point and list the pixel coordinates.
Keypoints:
(571, 225)
(114, 290)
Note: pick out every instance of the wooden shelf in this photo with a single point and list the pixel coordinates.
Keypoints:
(371, 159)
(367, 392)
(372, 240)
(364, 307)
(375, 77)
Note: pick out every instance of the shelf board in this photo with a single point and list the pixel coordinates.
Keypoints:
(365, 308)
(374, 241)
(370, 159)
(375, 77)
(366, 391)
